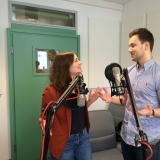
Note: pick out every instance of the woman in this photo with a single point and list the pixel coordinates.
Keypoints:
(69, 138)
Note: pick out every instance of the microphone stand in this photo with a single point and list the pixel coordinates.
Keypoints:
(50, 112)
(142, 137)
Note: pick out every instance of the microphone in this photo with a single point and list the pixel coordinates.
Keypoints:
(81, 100)
(83, 91)
(113, 74)
(117, 76)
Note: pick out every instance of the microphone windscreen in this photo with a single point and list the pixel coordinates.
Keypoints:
(109, 73)
(116, 70)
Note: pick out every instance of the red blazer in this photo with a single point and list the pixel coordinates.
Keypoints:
(61, 124)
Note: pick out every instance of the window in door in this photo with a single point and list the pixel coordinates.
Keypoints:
(44, 59)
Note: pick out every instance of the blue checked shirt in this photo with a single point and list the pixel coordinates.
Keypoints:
(146, 89)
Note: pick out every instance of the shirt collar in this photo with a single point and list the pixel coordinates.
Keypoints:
(147, 64)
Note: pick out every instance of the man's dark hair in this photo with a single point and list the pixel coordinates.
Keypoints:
(144, 36)
(54, 53)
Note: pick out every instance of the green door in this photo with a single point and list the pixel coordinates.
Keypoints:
(26, 87)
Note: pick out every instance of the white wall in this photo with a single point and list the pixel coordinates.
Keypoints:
(153, 24)
(140, 13)
(103, 48)
(100, 3)
(84, 11)
(4, 108)
(138, 7)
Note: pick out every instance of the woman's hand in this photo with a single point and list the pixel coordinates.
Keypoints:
(93, 96)
(42, 125)
(146, 111)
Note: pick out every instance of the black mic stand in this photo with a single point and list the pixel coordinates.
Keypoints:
(52, 109)
(142, 137)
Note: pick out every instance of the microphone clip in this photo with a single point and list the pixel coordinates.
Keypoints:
(82, 86)
(82, 89)
(116, 90)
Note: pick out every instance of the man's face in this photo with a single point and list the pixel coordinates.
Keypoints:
(136, 48)
(50, 56)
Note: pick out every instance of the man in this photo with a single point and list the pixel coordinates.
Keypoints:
(145, 81)
(51, 55)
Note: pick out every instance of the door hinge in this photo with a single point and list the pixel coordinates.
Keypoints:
(12, 50)
(15, 148)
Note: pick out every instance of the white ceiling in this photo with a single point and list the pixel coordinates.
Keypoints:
(117, 1)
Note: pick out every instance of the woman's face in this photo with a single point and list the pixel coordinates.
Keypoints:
(75, 67)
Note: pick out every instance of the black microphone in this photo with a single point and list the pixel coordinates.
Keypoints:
(113, 73)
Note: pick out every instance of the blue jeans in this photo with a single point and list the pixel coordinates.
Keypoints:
(136, 153)
(78, 147)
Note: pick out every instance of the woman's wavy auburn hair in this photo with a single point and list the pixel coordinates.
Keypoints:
(60, 76)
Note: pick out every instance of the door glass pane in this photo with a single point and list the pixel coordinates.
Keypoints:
(44, 59)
